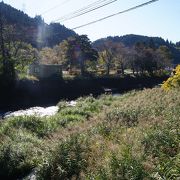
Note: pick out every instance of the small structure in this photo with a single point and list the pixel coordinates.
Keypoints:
(45, 70)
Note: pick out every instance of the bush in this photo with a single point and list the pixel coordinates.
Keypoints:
(126, 117)
(68, 160)
(127, 167)
(37, 125)
(89, 104)
(19, 155)
(80, 111)
(84, 108)
(174, 81)
(162, 144)
(65, 119)
(122, 167)
(62, 105)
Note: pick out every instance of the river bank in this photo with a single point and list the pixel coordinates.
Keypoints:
(49, 92)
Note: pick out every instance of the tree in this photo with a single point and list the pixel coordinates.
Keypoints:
(120, 53)
(178, 44)
(7, 65)
(150, 63)
(14, 55)
(106, 56)
(164, 57)
(107, 59)
(151, 44)
(67, 53)
(23, 54)
(149, 59)
(114, 54)
(132, 61)
(78, 50)
(48, 56)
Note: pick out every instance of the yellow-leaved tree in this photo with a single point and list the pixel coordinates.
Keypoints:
(174, 81)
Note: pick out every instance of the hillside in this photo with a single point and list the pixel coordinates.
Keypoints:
(133, 136)
(131, 39)
(34, 30)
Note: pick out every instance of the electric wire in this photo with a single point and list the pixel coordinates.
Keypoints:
(55, 7)
(115, 14)
(85, 10)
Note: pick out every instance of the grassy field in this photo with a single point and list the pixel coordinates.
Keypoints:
(133, 136)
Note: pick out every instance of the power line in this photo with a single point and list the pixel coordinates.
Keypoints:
(92, 7)
(55, 7)
(115, 14)
(83, 8)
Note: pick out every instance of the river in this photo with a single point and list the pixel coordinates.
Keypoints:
(34, 111)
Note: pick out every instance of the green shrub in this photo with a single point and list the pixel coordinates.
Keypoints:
(40, 126)
(76, 111)
(68, 160)
(19, 155)
(122, 167)
(89, 104)
(64, 120)
(126, 117)
(62, 105)
(162, 143)
(104, 130)
(127, 167)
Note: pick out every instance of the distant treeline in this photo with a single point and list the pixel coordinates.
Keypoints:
(131, 40)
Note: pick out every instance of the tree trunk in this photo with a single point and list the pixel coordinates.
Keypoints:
(107, 69)
(133, 70)
(82, 67)
(122, 68)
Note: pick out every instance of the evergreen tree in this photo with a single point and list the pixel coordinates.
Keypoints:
(78, 50)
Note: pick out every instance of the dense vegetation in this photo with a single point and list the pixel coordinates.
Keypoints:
(34, 31)
(78, 57)
(131, 40)
(133, 136)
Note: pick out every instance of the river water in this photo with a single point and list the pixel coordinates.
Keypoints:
(35, 111)
(38, 111)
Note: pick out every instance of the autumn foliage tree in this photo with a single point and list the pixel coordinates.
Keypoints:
(174, 81)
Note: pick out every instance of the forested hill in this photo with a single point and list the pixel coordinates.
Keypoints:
(131, 39)
(33, 30)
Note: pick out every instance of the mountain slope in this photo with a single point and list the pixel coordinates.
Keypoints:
(131, 39)
(34, 30)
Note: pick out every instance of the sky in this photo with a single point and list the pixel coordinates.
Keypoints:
(160, 19)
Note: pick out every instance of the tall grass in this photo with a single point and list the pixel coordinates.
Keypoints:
(134, 136)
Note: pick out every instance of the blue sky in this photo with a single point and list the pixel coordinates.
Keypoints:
(158, 19)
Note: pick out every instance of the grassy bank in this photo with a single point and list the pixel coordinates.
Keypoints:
(134, 136)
